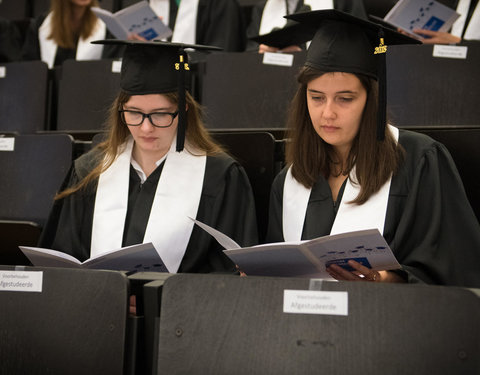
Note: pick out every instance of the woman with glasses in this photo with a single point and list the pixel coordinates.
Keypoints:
(157, 170)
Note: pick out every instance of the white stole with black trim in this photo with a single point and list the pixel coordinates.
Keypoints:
(185, 30)
(350, 217)
(176, 200)
(85, 50)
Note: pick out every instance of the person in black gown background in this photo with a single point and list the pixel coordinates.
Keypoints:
(157, 169)
(346, 170)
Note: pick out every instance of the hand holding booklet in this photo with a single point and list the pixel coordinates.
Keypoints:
(421, 14)
(309, 258)
(138, 19)
(136, 258)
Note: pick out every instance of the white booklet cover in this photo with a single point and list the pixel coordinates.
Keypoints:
(136, 258)
(309, 258)
(138, 19)
(421, 14)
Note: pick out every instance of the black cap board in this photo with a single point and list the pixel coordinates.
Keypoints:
(341, 42)
(157, 67)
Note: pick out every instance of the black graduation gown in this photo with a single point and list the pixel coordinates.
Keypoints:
(226, 204)
(355, 8)
(429, 225)
(31, 45)
(219, 23)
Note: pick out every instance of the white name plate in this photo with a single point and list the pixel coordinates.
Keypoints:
(3, 72)
(282, 59)
(451, 52)
(315, 302)
(21, 281)
(7, 144)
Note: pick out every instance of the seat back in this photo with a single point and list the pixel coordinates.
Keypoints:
(75, 324)
(23, 96)
(240, 91)
(86, 92)
(32, 168)
(241, 325)
(424, 90)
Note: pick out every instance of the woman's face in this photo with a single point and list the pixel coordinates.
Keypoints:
(148, 138)
(335, 103)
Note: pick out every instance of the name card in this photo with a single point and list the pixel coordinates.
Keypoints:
(315, 302)
(3, 71)
(451, 52)
(7, 144)
(281, 59)
(21, 281)
(116, 66)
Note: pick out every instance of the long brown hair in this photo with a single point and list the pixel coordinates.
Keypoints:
(62, 33)
(196, 135)
(311, 157)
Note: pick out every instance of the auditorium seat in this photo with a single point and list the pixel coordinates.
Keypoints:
(23, 96)
(74, 323)
(424, 90)
(240, 91)
(32, 168)
(248, 325)
(85, 93)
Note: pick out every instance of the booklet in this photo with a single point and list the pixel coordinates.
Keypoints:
(138, 19)
(136, 258)
(309, 258)
(422, 14)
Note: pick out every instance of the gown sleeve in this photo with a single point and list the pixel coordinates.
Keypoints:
(69, 225)
(431, 226)
(227, 204)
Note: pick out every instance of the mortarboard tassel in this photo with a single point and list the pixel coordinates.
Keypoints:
(380, 51)
(181, 67)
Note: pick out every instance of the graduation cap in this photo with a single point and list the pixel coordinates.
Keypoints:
(341, 42)
(157, 67)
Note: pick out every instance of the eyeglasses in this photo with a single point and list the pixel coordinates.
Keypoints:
(157, 119)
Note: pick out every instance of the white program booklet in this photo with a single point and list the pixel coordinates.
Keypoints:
(138, 19)
(421, 14)
(136, 258)
(309, 258)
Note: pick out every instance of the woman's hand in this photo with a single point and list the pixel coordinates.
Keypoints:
(437, 37)
(362, 273)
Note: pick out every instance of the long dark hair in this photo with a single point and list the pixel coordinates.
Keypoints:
(311, 157)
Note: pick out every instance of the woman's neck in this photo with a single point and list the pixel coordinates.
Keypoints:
(147, 160)
(77, 15)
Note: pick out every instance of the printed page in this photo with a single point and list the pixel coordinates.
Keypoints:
(422, 14)
(49, 258)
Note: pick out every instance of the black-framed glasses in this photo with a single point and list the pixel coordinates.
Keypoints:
(157, 119)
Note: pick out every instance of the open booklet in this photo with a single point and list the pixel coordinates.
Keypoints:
(420, 14)
(136, 258)
(309, 258)
(138, 19)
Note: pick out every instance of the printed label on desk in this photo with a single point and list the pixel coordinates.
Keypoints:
(21, 281)
(274, 58)
(3, 71)
(315, 302)
(452, 52)
(7, 144)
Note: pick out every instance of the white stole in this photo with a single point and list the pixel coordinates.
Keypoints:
(272, 16)
(350, 217)
(185, 30)
(472, 31)
(176, 200)
(85, 50)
